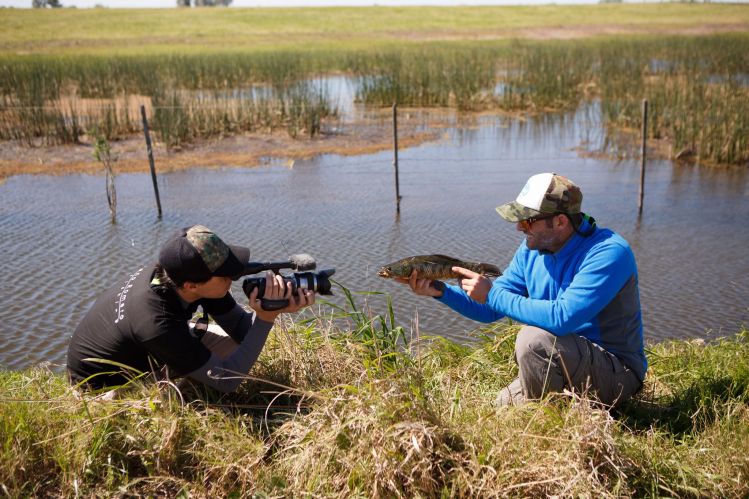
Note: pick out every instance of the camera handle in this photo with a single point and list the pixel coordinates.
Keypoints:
(271, 305)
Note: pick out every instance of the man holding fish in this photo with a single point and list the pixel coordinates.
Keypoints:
(573, 284)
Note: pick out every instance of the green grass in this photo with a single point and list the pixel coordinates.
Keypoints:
(364, 410)
(133, 31)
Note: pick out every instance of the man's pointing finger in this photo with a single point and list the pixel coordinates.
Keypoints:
(465, 272)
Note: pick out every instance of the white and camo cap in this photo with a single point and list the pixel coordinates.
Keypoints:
(545, 193)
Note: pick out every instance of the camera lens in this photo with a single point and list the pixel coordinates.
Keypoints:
(318, 282)
(323, 281)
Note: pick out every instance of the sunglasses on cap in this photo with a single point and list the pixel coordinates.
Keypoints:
(528, 222)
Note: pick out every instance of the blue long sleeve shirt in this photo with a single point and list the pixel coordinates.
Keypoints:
(589, 287)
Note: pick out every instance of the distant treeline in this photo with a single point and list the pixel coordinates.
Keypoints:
(698, 88)
(203, 3)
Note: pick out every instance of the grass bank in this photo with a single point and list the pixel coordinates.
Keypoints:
(346, 412)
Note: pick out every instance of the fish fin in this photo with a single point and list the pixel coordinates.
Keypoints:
(444, 258)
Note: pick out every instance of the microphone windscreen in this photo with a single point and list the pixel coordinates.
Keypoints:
(303, 261)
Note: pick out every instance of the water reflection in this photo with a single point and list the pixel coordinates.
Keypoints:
(690, 242)
(336, 90)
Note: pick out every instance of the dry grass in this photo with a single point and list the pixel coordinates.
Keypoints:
(351, 411)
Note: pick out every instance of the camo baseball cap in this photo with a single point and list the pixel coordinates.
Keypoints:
(196, 254)
(545, 193)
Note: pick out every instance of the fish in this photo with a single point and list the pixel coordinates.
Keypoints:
(434, 267)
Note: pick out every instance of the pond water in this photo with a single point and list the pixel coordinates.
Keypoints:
(60, 251)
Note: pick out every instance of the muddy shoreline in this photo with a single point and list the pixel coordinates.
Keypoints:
(365, 136)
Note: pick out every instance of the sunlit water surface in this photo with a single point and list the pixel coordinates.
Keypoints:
(60, 251)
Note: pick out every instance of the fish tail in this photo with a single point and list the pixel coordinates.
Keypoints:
(489, 270)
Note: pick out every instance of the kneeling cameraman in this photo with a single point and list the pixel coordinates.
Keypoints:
(143, 322)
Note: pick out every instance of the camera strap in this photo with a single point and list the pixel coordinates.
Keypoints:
(270, 305)
(200, 327)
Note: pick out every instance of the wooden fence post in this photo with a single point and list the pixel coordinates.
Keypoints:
(395, 158)
(643, 153)
(150, 158)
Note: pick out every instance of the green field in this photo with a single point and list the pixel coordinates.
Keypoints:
(138, 31)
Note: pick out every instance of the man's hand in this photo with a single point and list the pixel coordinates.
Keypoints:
(304, 298)
(423, 287)
(475, 285)
(276, 289)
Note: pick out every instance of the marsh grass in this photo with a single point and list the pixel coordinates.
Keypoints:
(697, 87)
(54, 101)
(359, 411)
(697, 90)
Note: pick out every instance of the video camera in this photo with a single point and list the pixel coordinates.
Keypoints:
(318, 282)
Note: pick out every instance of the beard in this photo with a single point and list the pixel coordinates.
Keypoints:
(542, 240)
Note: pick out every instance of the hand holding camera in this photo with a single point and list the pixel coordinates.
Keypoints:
(278, 297)
(279, 293)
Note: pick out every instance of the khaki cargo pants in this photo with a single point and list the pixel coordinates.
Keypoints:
(551, 363)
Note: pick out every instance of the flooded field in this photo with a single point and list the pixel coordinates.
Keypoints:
(60, 250)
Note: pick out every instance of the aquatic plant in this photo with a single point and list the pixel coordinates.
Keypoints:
(103, 154)
(697, 88)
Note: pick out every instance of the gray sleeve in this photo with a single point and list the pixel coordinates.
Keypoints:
(226, 374)
(236, 322)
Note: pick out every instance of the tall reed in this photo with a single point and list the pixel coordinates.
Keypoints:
(51, 101)
(697, 86)
(447, 76)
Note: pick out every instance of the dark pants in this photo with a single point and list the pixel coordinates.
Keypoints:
(551, 363)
